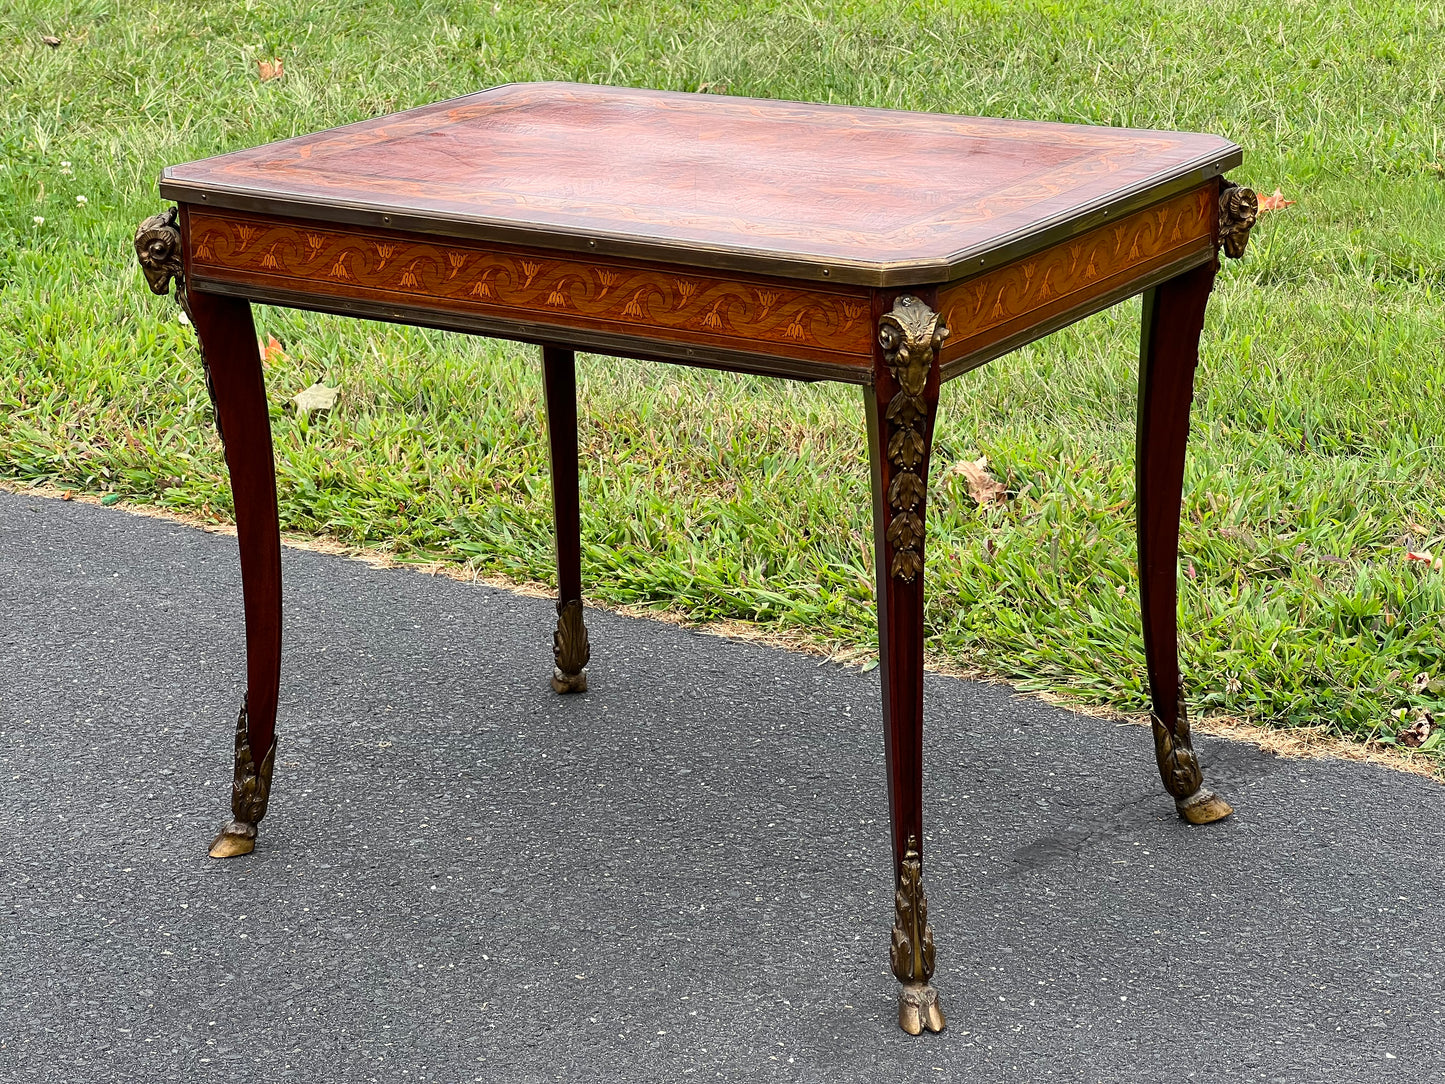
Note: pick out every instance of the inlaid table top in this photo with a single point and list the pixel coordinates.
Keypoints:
(865, 196)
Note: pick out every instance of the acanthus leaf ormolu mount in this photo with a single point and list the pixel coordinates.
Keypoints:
(250, 793)
(912, 952)
(570, 649)
(910, 336)
(750, 236)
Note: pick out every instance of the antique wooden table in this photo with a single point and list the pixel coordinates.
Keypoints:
(890, 250)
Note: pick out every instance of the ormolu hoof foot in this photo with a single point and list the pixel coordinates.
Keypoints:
(1203, 807)
(236, 838)
(568, 683)
(918, 1008)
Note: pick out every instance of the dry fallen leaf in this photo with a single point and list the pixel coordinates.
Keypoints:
(317, 397)
(1276, 202)
(271, 350)
(1430, 561)
(68, 495)
(270, 69)
(1414, 735)
(982, 486)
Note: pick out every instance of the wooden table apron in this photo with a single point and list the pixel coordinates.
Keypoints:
(899, 343)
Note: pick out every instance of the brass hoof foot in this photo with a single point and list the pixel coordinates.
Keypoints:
(1203, 807)
(918, 1008)
(236, 838)
(568, 683)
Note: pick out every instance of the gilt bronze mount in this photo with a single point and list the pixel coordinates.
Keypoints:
(570, 649)
(1179, 768)
(1238, 210)
(910, 335)
(912, 952)
(250, 793)
(158, 249)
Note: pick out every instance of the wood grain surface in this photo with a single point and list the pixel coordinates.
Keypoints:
(818, 191)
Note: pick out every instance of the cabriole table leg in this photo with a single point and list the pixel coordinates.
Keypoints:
(1169, 353)
(570, 649)
(900, 407)
(232, 367)
(228, 342)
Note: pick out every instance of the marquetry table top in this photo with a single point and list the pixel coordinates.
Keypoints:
(865, 196)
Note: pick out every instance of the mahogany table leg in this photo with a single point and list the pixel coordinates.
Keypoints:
(570, 649)
(1169, 352)
(228, 344)
(900, 408)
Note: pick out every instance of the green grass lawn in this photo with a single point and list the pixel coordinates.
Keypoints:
(1319, 426)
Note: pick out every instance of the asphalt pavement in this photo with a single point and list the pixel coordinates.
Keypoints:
(682, 874)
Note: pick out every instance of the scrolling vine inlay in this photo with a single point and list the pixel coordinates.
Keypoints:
(985, 308)
(828, 323)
